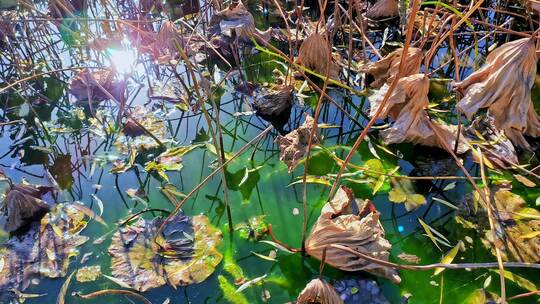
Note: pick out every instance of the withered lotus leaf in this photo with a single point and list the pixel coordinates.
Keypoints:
(383, 8)
(294, 145)
(44, 250)
(503, 85)
(274, 102)
(387, 69)
(168, 38)
(96, 86)
(406, 106)
(534, 5)
(205, 257)
(134, 260)
(23, 204)
(235, 17)
(319, 291)
(316, 54)
(132, 129)
(359, 230)
(183, 253)
(274, 105)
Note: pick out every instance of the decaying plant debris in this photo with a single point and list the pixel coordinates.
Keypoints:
(316, 54)
(383, 8)
(24, 204)
(407, 106)
(497, 147)
(518, 231)
(183, 253)
(237, 20)
(386, 69)
(360, 230)
(95, 87)
(45, 250)
(503, 85)
(294, 145)
(274, 105)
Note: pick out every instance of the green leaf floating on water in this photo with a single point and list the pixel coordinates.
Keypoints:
(403, 192)
(170, 160)
(183, 253)
(375, 169)
(254, 228)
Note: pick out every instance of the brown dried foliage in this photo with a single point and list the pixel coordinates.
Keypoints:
(362, 231)
(407, 106)
(96, 86)
(383, 8)
(503, 85)
(316, 54)
(23, 204)
(235, 17)
(294, 145)
(386, 69)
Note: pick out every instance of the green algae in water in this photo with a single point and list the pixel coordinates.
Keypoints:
(229, 292)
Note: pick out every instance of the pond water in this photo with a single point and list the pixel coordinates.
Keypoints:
(61, 144)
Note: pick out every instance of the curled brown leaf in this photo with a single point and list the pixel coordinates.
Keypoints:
(294, 145)
(503, 85)
(359, 231)
(316, 54)
(386, 69)
(406, 106)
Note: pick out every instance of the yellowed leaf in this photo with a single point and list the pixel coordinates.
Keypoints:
(525, 181)
(448, 258)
